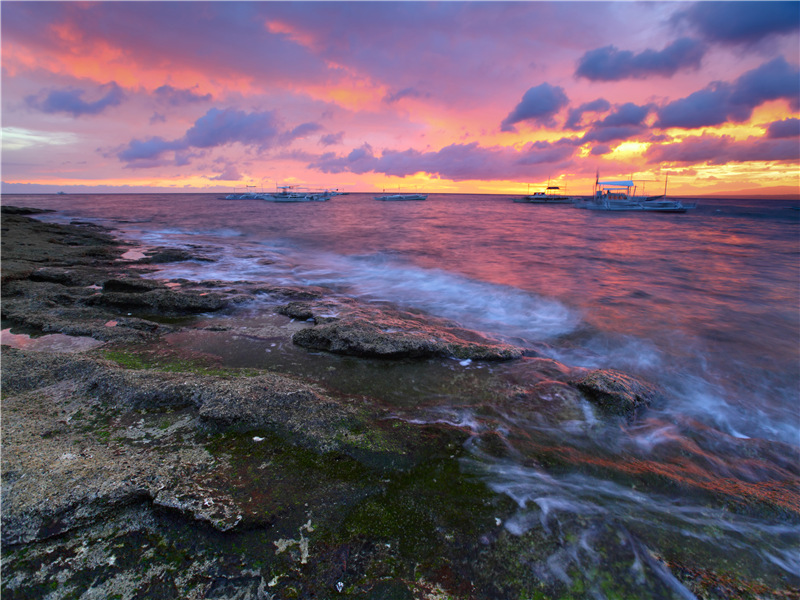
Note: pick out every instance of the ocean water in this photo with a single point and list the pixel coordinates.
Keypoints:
(706, 304)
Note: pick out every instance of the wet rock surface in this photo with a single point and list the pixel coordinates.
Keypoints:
(358, 330)
(616, 392)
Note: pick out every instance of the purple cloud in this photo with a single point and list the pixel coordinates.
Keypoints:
(538, 104)
(457, 162)
(771, 81)
(788, 128)
(301, 131)
(612, 134)
(576, 114)
(331, 139)
(721, 102)
(408, 92)
(707, 107)
(71, 101)
(176, 97)
(625, 122)
(627, 114)
(720, 150)
(611, 64)
(538, 153)
(741, 22)
(219, 127)
(148, 150)
(600, 150)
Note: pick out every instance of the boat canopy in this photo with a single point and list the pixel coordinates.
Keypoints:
(620, 183)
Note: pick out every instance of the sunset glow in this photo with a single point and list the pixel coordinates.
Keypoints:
(484, 97)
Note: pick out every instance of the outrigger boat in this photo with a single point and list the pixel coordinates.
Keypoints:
(551, 195)
(621, 196)
(248, 194)
(401, 197)
(288, 193)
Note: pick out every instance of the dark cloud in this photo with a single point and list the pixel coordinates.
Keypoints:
(720, 150)
(771, 81)
(71, 101)
(408, 92)
(539, 104)
(627, 114)
(624, 123)
(741, 22)
(612, 134)
(177, 97)
(218, 127)
(331, 139)
(600, 150)
(538, 153)
(457, 162)
(788, 128)
(722, 102)
(576, 114)
(704, 108)
(147, 150)
(612, 64)
(301, 131)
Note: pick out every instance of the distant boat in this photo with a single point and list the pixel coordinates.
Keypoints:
(401, 197)
(248, 194)
(61, 193)
(621, 196)
(290, 193)
(551, 195)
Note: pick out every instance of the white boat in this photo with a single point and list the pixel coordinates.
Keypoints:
(248, 194)
(621, 196)
(289, 193)
(551, 195)
(392, 197)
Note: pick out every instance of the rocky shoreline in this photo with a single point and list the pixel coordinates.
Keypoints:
(130, 470)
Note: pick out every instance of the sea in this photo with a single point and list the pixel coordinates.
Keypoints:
(705, 304)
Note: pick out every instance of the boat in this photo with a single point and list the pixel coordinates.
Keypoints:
(621, 196)
(401, 197)
(290, 193)
(551, 195)
(248, 194)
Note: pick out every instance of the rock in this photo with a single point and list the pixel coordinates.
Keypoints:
(289, 292)
(161, 300)
(168, 255)
(22, 210)
(616, 392)
(66, 277)
(370, 339)
(131, 285)
(382, 331)
(296, 310)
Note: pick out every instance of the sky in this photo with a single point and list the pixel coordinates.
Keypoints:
(463, 97)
